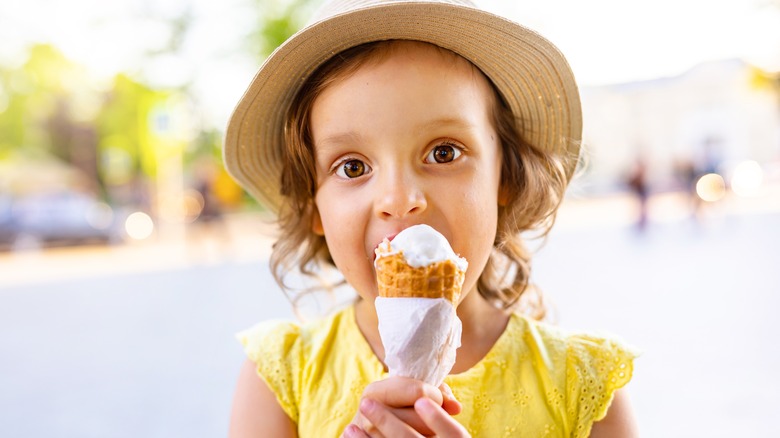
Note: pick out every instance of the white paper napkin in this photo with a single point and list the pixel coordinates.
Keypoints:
(420, 336)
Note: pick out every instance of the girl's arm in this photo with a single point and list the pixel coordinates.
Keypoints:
(619, 422)
(256, 413)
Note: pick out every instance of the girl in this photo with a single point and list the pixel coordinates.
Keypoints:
(386, 114)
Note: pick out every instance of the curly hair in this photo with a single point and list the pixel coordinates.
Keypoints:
(532, 180)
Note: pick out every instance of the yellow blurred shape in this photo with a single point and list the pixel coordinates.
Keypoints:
(763, 80)
(711, 187)
(139, 225)
(227, 191)
(747, 179)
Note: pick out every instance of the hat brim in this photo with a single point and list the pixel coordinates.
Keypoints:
(530, 72)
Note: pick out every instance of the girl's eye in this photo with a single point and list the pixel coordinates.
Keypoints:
(352, 169)
(443, 153)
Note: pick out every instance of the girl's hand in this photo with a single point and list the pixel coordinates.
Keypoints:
(440, 421)
(388, 409)
(385, 424)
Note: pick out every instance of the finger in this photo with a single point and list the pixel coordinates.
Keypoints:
(400, 392)
(450, 404)
(352, 431)
(384, 421)
(412, 418)
(365, 425)
(438, 420)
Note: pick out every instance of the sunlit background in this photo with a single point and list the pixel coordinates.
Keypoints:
(128, 257)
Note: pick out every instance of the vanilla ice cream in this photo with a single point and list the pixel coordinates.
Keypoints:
(419, 278)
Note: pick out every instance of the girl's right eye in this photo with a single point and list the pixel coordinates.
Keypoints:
(352, 168)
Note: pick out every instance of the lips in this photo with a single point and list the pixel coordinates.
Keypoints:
(389, 237)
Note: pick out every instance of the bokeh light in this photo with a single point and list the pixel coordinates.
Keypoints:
(747, 178)
(182, 208)
(711, 187)
(100, 216)
(139, 225)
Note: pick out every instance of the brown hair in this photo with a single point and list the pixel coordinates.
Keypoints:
(533, 180)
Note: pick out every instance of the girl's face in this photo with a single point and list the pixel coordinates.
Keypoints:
(407, 139)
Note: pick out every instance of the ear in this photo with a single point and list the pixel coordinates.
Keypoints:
(316, 222)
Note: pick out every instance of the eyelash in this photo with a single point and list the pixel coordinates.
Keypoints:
(338, 168)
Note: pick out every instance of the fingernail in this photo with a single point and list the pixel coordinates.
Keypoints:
(367, 405)
(423, 404)
(430, 391)
(447, 391)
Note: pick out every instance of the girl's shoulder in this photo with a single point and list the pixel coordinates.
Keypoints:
(283, 338)
(587, 366)
(571, 342)
(284, 350)
(584, 352)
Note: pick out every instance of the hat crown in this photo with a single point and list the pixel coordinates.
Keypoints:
(337, 7)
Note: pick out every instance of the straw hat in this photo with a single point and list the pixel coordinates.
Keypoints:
(529, 71)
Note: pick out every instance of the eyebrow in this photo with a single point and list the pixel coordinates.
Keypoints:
(331, 146)
(339, 138)
(446, 122)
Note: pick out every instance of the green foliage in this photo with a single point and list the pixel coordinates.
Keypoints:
(278, 20)
(29, 97)
(123, 129)
(50, 106)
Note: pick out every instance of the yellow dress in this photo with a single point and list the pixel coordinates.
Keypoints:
(536, 381)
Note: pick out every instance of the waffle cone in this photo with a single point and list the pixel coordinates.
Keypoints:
(396, 278)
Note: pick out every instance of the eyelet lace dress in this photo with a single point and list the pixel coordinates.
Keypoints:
(536, 381)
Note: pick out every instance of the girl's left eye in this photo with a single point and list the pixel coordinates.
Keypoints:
(443, 153)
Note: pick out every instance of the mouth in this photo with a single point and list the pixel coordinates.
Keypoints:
(389, 238)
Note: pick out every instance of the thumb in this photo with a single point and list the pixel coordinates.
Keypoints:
(450, 404)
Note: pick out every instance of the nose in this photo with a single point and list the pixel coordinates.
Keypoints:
(399, 195)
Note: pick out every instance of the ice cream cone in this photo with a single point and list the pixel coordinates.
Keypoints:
(395, 278)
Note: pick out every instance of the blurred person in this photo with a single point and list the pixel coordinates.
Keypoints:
(686, 170)
(637, 183)
(363, 125)
(212, 206)
(209, 226)
(691, 170)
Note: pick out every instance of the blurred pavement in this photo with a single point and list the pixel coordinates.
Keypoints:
(137, 340)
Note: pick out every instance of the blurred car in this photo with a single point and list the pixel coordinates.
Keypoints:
(56, 218)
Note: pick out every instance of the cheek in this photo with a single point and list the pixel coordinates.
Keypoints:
(482, 218)
(344, 224)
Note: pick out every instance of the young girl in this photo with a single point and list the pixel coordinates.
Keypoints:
(386, 114)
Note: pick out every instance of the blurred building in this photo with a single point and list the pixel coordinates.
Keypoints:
(712, 116)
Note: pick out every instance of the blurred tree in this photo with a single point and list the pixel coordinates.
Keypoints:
(41, 114)
(277, 21)
(116, 142)
(123, 125)
(33, 94)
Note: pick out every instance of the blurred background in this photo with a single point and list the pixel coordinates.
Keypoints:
(128, 258)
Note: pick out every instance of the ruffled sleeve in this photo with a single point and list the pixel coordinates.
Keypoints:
(596, 367)
(275, 347)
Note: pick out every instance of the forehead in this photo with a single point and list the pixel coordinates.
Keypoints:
(406, 80)
(348, 62)
(395, 56)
